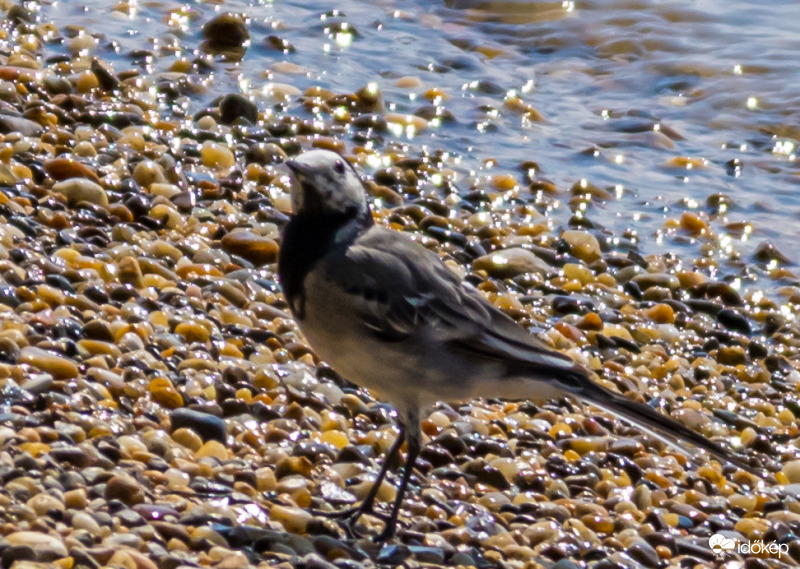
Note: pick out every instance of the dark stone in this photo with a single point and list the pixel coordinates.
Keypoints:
(234, 407)
(776, 363)
(83, 558)
(226, 31)
(72, 455)
(732, 320)
(562, 304)
(8, 296)
(279, 44)
(437, 455)
(21, 125)
(757, 351)
(97, 330)
(59, 282)
(235, 106)
(207, 426)
(426, 554)
(644, 553)
(18, 14)
(394, 554)
(767, 252)
(41, 384)
(487, 474)
(130, 518)
(105, 75)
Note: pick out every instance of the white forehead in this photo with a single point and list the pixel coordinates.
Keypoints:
(319, 159)
(334, 180)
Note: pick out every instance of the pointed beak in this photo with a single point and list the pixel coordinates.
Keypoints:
(304, 196)
(301, 171)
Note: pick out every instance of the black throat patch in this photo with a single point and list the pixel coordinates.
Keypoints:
(307, 238)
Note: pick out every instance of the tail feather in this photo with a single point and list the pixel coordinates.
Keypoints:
(663, 428)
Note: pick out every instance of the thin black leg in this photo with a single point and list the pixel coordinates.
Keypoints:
(414, 447)
(369, 501)
(366, 506)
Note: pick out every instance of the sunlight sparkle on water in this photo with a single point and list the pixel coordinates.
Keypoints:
(783, 147)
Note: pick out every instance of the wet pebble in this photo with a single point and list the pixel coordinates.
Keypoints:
(124, 488)
(78, 190)
(226, 31)
(21, 125)
(734, 320)
(58, 366)
(236, 106)
(45, 546)
(208, 426)
(582, 244)
(255, 248)
(510, 263)
(663, 280)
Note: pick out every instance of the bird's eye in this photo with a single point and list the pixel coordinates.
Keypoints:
(338, 167)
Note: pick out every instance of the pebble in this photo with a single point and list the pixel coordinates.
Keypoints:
(165, 393)
(45, 546)
(644, 553)
(648, 280)
(236, 106)
(293, 519)
(44, 503)
(733, 320)
(213, 449)
(37, 385)
(124, 488)
(226, 31)
(510, 263)
(58, 366)
(693, 223)
(255, 248)
(147, 172)
(66, 168)
(206, 425)
(766, 252)
(217, 156)
(791, 470)
(662, 313)
(85, 521)
(78, 190)
(582, 244)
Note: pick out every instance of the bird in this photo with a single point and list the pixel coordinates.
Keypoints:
(387, 314)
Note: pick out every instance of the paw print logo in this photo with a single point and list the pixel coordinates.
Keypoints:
(720, 544)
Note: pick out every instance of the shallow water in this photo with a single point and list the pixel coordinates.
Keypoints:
(625, 90)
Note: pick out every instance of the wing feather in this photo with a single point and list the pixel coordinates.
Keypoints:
(419, 296)
(401, 290)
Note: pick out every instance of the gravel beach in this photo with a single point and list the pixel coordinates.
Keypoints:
(159, 408)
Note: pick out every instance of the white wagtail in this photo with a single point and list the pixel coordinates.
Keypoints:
(389, 315)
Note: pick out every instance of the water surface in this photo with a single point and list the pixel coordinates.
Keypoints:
(662, 103)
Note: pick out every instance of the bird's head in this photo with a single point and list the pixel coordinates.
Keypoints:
(326, 184)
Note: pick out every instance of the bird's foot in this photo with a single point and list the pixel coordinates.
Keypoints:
(336, 514)
(350, 517)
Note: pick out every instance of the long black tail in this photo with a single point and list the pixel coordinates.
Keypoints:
(654, 423)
